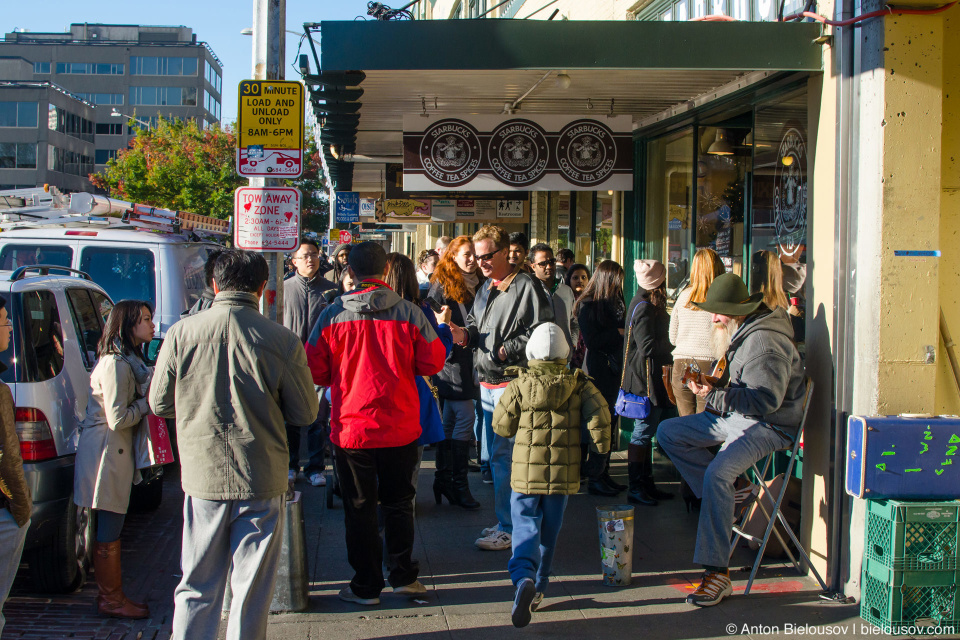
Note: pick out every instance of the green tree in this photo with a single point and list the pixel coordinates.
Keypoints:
(176, 165)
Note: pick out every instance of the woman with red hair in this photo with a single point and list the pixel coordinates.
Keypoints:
(454, 283)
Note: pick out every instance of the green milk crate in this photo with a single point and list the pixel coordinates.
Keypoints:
(913, 536)
(909, 602)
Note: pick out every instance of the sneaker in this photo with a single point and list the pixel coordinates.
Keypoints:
(347, 595)
(291, 476)
(489, 531)
(496, 541)
(415, 588)
(318, 479)
(537, 599)
(714, 587)
(486, 476)
(520, 614)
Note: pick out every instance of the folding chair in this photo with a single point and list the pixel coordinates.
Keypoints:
(738, 531)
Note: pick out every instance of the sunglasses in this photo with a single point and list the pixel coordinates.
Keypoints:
(544, 264)
(488, 256)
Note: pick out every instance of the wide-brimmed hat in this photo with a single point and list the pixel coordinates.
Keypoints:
(650, 273)
(729, 296)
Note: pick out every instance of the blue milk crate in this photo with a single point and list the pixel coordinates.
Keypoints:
(903, 458)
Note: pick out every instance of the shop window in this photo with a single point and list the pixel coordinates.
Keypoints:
(723, 168)
(669, 209)
(603, 220)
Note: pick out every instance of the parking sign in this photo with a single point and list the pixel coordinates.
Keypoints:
(270, 129)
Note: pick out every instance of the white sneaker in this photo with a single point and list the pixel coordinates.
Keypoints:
(415, 588)
(520, 614)
(318, 479)
(291, 476)
(496, 541)
(489, 531)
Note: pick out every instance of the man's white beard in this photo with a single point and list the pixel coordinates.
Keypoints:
(722, 336)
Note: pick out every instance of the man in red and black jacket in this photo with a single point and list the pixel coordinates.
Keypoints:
(368, 347)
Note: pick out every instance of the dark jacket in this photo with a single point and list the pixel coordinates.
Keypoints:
(303, 302)
(600, 322)
(368, 347)
(648, 350)
(203, 303)
(766, 373)
(457, 380)
(504, 315)
(14, 491)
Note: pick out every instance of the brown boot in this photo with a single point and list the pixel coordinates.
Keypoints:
(111, 601)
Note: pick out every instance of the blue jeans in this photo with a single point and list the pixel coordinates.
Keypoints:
(481, 437)
(644, 428)
(745, 441)
(11, 546)
(536, 525)
(501, 458)
(459, 417)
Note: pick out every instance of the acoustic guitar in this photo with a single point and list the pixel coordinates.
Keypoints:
(693, 372)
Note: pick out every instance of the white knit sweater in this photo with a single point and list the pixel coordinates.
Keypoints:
(690, 330)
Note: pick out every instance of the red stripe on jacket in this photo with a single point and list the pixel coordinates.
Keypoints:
(370, 366)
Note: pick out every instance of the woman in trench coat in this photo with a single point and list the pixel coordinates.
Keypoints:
(105, 466)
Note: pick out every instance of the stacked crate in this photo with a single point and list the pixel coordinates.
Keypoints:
(911, 566)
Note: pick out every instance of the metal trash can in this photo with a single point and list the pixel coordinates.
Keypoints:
(615, 525)
(292, 589)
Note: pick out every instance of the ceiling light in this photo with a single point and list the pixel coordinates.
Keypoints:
(720, 147)
(563, 80)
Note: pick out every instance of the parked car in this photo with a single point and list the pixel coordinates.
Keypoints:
(57, 323)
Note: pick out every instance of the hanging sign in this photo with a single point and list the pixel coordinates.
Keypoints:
(270, 129)
(510, 153)
(348, 207)
(268, 218)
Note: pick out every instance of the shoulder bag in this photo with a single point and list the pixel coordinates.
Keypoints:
(630, 405)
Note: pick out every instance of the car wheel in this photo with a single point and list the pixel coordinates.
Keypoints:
(146, 496)
(60, 566)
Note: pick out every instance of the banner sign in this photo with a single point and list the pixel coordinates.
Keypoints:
(431, 210)
(348, 207)
(511, 153)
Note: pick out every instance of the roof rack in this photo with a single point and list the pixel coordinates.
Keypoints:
(44, 270)
(47, 207)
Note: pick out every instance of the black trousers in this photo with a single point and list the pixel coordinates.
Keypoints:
(366, 477)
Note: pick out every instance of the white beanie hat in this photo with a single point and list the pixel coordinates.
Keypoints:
(650, 273)
(547, 342)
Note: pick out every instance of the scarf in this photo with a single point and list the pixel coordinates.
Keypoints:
(472, 280)
(141, 372)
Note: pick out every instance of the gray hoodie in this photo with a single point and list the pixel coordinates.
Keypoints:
(765, 372)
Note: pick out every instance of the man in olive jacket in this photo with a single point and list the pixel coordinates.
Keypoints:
(232, 378)
(15, 501)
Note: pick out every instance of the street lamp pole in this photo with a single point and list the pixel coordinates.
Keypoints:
(269, 24)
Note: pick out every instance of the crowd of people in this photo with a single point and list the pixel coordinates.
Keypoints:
(506, 358)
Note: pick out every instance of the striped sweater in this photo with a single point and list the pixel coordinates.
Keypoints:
(690, 330)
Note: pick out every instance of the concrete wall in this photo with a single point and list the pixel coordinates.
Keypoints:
(947, 395)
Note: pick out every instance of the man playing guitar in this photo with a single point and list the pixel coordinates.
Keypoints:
(754, 397)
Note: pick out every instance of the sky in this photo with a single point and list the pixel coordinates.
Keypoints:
(210, 21)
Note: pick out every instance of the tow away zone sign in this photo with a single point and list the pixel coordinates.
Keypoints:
(270, 129)
(268, 218)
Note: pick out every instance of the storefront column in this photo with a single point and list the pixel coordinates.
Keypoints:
(538, 217)
(617, 219)
(897, 300)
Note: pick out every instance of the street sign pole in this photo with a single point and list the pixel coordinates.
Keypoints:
(269, 24)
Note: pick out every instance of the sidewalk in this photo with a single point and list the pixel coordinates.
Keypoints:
(469, 590)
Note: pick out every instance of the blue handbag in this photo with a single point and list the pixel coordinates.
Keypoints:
(431, 424)
(629, 405)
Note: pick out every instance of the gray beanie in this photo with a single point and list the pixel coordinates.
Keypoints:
(547, 342)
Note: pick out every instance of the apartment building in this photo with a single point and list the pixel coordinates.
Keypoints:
(123, 70)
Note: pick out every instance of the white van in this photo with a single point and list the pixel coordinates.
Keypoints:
(165, 269)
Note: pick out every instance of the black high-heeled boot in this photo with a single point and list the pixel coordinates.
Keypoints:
(689, 497)
(460, 484)
(638, 468)
(443, 477)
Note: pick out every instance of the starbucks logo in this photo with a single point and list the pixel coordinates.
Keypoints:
(450, 152)
(790, 193)
(586, 152)
(518, 152)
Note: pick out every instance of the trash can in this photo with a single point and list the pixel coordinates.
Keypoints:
(615, 524)
(292, 589)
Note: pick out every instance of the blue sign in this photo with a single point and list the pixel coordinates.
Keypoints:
(324, 241)
(348, 206)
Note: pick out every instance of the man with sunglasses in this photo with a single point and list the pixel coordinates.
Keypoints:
(561, 296)
(505, 312)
